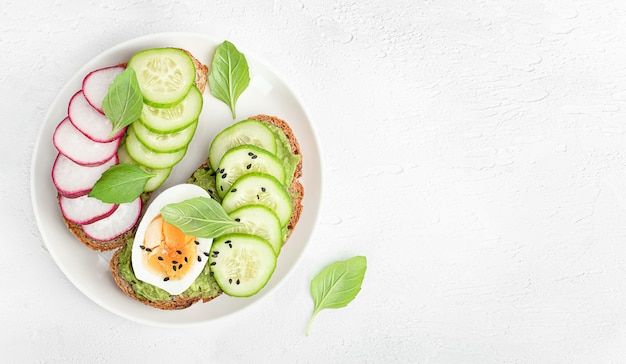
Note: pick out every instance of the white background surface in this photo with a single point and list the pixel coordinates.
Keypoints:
(473, 151)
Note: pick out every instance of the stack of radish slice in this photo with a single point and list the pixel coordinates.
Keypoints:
(85, 151)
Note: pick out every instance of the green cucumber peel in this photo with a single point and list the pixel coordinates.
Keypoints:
(120, 183)
(203, 217)
(337, 285)
(229, 76)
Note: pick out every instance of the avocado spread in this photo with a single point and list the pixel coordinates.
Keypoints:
(283, 151)
(205, 285)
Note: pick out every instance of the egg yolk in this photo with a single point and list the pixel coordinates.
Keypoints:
(169, 252)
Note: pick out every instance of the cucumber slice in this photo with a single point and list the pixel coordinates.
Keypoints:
(246, 159)
(259, 189)
(160, 177)
(241, 263)
(244, 132)
(165, 75)
(161, 174)
(174, 118)
(260, 221)
(170, 142)
(122, 155)
(149, 158)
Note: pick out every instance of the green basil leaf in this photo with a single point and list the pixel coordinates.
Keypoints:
(229, 75)
(200, 216)
(337, 285)
(123, 102)
(120, 184)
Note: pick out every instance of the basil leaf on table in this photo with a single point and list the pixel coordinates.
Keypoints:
(337, 285)
(229, 75)
(123, 102)
(200, 216)
(120, 183)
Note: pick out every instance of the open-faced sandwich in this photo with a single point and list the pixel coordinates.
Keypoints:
(257, 185)
(89, 142)
(222, 231)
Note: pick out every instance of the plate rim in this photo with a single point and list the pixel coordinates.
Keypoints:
(155, 37)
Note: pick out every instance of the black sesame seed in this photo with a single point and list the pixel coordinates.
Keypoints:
(263, 189)
(197, 242)
(230, 246)
(230, 280)
(174, 268)
(257, 197)
(233, 190)
(166, 279)
(238, 281)
(142, 247)
(249, 166)
(254, 156)
(160, 258)
(228, 242)
(206, 253)
(238, 219)
(180, 266)
(216, 252)
(174, 262)
(221, 188)
(199, 258)
(179, 252)
(224, 175)
(213, 263)
(250, 154)
(186, 260)
(148, 250)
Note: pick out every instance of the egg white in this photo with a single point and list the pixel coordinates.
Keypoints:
(174, 194)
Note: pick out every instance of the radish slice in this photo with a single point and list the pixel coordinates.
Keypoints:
(85, 209)
(116, 224)
(76, 146)
(89, 121)
(73, 180)
(96, 85)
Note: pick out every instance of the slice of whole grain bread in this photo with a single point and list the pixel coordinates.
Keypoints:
(296, 190)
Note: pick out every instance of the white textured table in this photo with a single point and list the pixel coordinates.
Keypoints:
(473, 151)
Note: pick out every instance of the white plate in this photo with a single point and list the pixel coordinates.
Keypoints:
(88, 270)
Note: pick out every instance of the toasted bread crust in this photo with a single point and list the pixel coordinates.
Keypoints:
(296, 189)
(202, 72)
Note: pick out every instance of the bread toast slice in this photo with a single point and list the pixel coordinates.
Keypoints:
(296, 191)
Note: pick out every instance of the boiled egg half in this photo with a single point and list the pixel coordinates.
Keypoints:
(162, 254)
